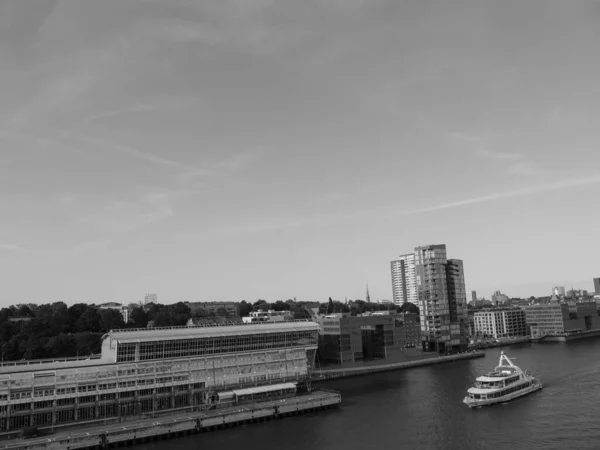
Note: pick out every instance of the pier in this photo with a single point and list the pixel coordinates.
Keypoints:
(137, 432)
(330, 374)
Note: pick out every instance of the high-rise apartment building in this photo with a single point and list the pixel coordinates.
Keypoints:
(597, 286)
(150, 298)
(404, 282)
(439, 288)
(472, 297)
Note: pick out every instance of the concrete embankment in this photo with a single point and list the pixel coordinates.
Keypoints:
(329, 374)
(141, 431)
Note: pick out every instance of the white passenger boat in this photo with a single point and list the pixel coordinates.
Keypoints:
(505, 383)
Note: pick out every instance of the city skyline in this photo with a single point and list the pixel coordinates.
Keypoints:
(246, 150)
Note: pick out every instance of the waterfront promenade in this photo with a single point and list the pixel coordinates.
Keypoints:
(381, 366)
(139, 431)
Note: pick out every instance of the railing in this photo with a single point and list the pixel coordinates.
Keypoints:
(27, 362)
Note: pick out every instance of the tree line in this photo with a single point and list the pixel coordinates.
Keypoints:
(30, 331)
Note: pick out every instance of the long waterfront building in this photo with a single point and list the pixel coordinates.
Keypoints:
(144, 371)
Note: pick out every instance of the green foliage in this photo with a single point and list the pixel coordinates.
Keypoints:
(409, 307)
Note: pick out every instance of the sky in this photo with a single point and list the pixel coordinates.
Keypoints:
(246, 149)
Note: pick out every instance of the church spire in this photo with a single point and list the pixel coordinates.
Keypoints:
(368, 296)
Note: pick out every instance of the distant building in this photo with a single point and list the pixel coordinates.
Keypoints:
(150, 299)
(117, 306)
(559, 291)
(554, 318)
(597, 286)
(472, 297)
(268, 316)
(501, 323)
(499, 298)
(346, 339)
(404, 282)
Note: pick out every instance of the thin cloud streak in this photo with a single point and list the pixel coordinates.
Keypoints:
(135, 153)
(118, 112)
(566, 184)
(12, 248)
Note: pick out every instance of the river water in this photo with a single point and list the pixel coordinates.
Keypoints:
(422, 409)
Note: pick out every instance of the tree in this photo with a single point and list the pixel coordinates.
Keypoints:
(280, 305)
(139, 317)
(244, 308)
(261, 304)
(90, 321)
(222, 312)
(409, 307)
(111, 319)
(330, 306)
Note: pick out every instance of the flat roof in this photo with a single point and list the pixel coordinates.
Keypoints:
(37, 366)
(167, 334)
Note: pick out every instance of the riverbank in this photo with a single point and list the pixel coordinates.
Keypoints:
(137, 432)
(344, 372)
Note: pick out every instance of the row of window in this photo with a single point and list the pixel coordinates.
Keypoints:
(501, 393)
(185, 348)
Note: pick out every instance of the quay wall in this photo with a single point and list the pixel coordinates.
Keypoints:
(168, 427)
(330, 374)
(571, 337)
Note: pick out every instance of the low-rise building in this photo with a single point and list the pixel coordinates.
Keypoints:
(554, 318)
(268, 316)
(501, 323)
(346, 339)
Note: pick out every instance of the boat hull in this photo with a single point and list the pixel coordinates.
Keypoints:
(471, 403)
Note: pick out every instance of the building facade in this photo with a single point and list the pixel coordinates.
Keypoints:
(347, 339)
(411, 329)
(404, 282)
(442, 300)
(597, 286)
(556, 319)
(501, 323)
(141, 372)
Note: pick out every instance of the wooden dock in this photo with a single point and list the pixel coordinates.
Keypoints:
(129, 433)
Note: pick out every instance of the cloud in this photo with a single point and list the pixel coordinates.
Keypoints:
(118, 112)
(526, 168)
(121, 217)
(278, 224)
(519, 164)
(12, 248)
(106, 145)
(555, 186)
(239, 161)
(478, 147)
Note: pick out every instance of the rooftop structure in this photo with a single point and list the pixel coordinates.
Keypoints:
(268, 316)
